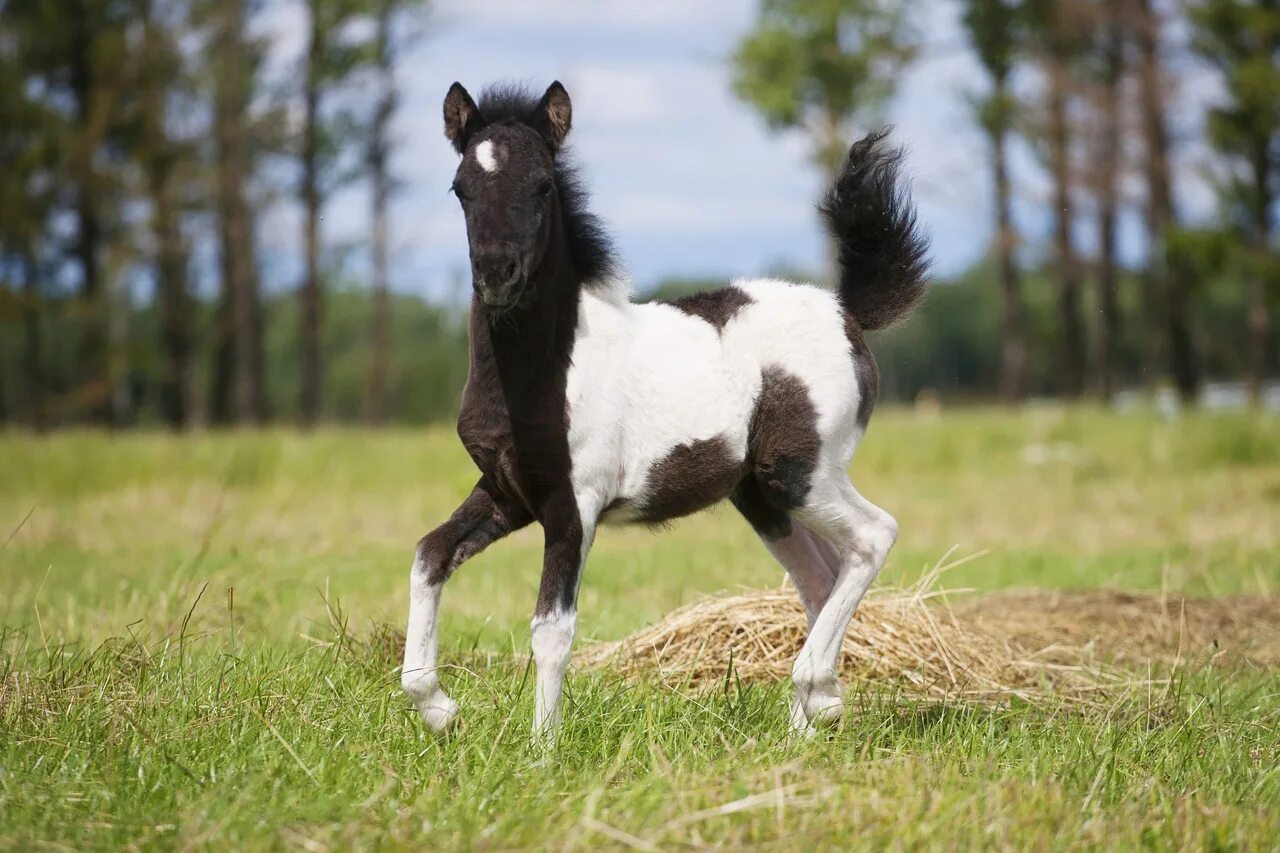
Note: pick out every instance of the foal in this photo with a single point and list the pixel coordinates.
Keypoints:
(583, 407)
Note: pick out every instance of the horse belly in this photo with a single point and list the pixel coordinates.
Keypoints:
(661, 419)
(686, 444)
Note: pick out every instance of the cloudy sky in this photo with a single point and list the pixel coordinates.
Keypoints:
(687, 177)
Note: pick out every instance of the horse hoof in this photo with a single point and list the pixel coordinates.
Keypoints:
(824, 710)
(800, 726)
(439, 712)
(818, 699)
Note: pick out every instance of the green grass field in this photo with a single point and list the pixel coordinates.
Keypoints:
(168, 676)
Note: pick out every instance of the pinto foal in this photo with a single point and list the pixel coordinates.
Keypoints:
(583, 407)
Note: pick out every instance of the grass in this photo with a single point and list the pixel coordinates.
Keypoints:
(169, 675)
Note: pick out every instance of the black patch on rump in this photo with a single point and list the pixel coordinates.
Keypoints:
(717, 307)
(782, 452)
(690, 477)
(865, 368)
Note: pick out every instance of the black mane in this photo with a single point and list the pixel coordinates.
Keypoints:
(590, 246)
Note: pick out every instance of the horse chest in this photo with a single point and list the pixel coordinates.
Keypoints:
(520, 453)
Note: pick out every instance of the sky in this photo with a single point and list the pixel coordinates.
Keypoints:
(687, 177)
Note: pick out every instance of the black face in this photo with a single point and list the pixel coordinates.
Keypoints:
(506, 185)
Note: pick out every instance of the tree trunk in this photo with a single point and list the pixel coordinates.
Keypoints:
(220, 380)
(172, 297)
(1106, 331)
(379, 371)
(1259, 323)
(238, 386)
(309, 295)
(93, 385)
(1166, 280)
(7, 409)
(33, 403)
(1072, 356)
(175, 314)
(1013, 350)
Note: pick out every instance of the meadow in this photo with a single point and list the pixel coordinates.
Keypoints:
(190, 652)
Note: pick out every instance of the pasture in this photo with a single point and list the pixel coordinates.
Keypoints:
(194, 652)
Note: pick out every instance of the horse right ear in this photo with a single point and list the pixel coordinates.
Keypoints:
(461, 117)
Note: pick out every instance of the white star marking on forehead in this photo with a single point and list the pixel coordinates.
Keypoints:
(487, 156)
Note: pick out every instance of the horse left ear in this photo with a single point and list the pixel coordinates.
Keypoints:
(554, 115)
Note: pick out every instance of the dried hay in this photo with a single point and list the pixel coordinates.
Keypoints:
(1035, 645)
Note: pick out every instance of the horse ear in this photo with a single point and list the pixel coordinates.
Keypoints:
(461, 117)
(554, 115)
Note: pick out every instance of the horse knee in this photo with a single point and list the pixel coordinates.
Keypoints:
(433, 559)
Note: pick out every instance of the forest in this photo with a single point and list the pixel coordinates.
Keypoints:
(143, 144)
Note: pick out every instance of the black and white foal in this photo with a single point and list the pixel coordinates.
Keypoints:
(583, 407)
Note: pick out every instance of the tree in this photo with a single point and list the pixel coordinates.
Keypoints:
(75, 52)
(1109, 37)
(378, 157)
(1166, 280)
(330, 60)
(820, 65)
(28, 191)
(166, 161)
(1241, 38)
(238, 390)
(1057, 36)
(992, 28)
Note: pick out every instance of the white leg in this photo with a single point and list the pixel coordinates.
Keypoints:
(418, 675)
(811, 563)
(474, 525)
(813, 566)
(552, 644)
(555, 617)
(862, 534)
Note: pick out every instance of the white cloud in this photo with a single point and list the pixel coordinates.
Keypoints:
(573, 15)
(686, 175)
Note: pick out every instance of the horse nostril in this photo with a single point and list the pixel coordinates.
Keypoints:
(509, 271)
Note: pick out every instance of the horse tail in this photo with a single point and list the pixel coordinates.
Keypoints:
(882, 255)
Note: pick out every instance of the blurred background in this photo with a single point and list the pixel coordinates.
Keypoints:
(223, 212)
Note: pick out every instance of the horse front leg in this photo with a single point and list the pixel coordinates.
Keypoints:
(477, 523)
(555, 616)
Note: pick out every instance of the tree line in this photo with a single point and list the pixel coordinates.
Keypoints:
(145, 140)
(131, 130)
(1087, 84)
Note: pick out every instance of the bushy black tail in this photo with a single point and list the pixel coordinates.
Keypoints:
(883, 256)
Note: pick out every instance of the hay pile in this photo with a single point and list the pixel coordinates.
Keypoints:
(1035, 645)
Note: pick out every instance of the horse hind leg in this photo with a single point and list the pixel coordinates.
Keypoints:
(808, 559)
(861, 535)
(783, 449)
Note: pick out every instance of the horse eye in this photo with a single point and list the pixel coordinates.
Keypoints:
(544, 188)
(457, 191)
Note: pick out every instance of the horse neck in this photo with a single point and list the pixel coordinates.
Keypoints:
(527, 350)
